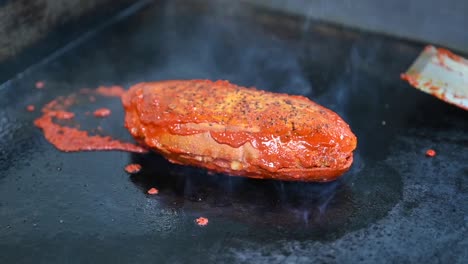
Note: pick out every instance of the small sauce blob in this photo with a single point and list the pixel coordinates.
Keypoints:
(153, 191)
(40, 84)
(133, 168)
(102, 112)
(201, 221)
(431, 153)
(30, 108)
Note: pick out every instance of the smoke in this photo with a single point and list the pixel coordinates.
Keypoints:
(220, 47)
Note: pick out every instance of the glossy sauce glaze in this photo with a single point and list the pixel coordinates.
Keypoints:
(272, 135)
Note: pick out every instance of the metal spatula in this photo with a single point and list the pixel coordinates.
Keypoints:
(441, 73)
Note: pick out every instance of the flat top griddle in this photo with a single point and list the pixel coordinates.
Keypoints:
(394, 205)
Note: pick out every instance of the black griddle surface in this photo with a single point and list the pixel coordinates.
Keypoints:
(395, 205)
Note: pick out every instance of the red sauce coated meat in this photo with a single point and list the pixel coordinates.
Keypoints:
(240, 131)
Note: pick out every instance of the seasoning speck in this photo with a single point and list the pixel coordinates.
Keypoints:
(40, 84)
(431, 153)
(153, 191)
(202, 221)
(133, 168)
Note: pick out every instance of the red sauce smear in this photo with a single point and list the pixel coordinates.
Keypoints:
(428, 83)
(153, 191)
(431, 153)
(133, 168)
(40, 84)
(70, 139)
(30, 108)
(102, 112)
(451, 55)
(434, 88)
(202, 221)
(444, 53)
(442, 63)
(411, 79)
(459, 96)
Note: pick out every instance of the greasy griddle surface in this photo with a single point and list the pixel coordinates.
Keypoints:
(394, 204)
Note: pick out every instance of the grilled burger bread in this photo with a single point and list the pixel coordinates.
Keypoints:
(239, 131)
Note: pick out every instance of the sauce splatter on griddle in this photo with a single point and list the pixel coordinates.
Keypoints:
(102, 112)
(202, 221)
(40, 84)
(133, 168)
(431, 153)
(153, 191)
(30, 108)
(71, 139)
